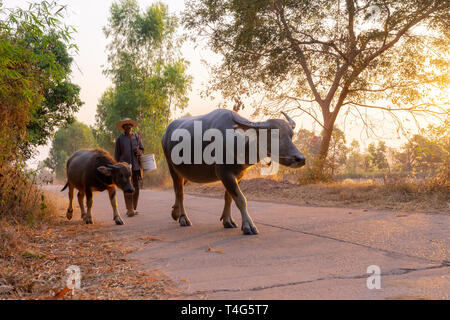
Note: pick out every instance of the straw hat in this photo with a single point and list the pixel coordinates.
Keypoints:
(120, 124)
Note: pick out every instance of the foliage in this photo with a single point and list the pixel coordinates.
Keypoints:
(377, 155)
(61, 101)
(337, 154)
(148, 73)
(66, 141)
(35, 89)
(428, 155)
(336, 56)
(309, 144)
(35, 96)
(20, 200)
(355, 159)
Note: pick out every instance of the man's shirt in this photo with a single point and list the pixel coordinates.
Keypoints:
(124, 149)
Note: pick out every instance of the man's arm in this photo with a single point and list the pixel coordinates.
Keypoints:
(140, 145)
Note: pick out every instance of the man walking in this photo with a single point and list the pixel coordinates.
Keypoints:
(128, 148)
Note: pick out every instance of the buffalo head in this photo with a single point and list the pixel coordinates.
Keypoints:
(121, 175)
(288, 152)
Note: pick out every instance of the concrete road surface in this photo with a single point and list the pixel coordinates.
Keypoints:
(300, 253)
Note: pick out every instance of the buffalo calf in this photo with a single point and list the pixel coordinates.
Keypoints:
(90, 170)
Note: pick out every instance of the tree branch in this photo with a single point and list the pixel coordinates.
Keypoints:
(399, 34)
(301, 56)
(299, 106)
(409, 109)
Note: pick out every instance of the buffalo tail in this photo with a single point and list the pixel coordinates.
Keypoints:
(65, 187)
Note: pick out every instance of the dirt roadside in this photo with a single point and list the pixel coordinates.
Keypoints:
(352, 195)
(34, 259)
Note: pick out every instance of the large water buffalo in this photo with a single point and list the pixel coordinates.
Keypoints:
(90, 170)
(229, 173)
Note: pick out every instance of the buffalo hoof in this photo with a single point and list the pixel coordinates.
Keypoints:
(89, 221)
(185, 222)
(118, 221)
(229, 223)
(175, 213)
(69, 214)
(249, 229)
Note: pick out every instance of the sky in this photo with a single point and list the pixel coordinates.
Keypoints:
(89, 17)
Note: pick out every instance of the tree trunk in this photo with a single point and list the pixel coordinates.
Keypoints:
(319, 163)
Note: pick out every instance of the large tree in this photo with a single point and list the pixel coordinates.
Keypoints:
(147, 70)
(339, 56)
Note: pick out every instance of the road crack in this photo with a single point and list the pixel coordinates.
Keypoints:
(399, 271)
(390, 252)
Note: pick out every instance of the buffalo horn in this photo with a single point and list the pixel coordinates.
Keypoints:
(290, 121)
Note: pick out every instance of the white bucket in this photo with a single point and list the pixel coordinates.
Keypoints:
(148, 162)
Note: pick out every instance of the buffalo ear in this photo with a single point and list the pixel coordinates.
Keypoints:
(104, 170)
(121, 165)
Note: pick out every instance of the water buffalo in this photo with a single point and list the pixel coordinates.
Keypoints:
(230, 174)
(91, 170)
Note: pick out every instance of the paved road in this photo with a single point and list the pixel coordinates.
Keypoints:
(300, 253)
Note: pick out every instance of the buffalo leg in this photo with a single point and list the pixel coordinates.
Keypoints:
(226, 217)
(232, 186)
(113, 200)
(178, 210)
(69, 212)
(89, 203)
(80, 197)
(136, 190)
(129, 203)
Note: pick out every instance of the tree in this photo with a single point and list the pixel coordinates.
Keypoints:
(338, 56)
(355, 158)
(148, 73)
(337, 154)
(66, 141)
(377, 155)
(30, 66)
(35, 91)
(309, 144)
(61, 97)
(104, 131)
(428, 154)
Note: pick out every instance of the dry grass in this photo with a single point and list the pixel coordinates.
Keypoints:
(398, 195)
(33, 261)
